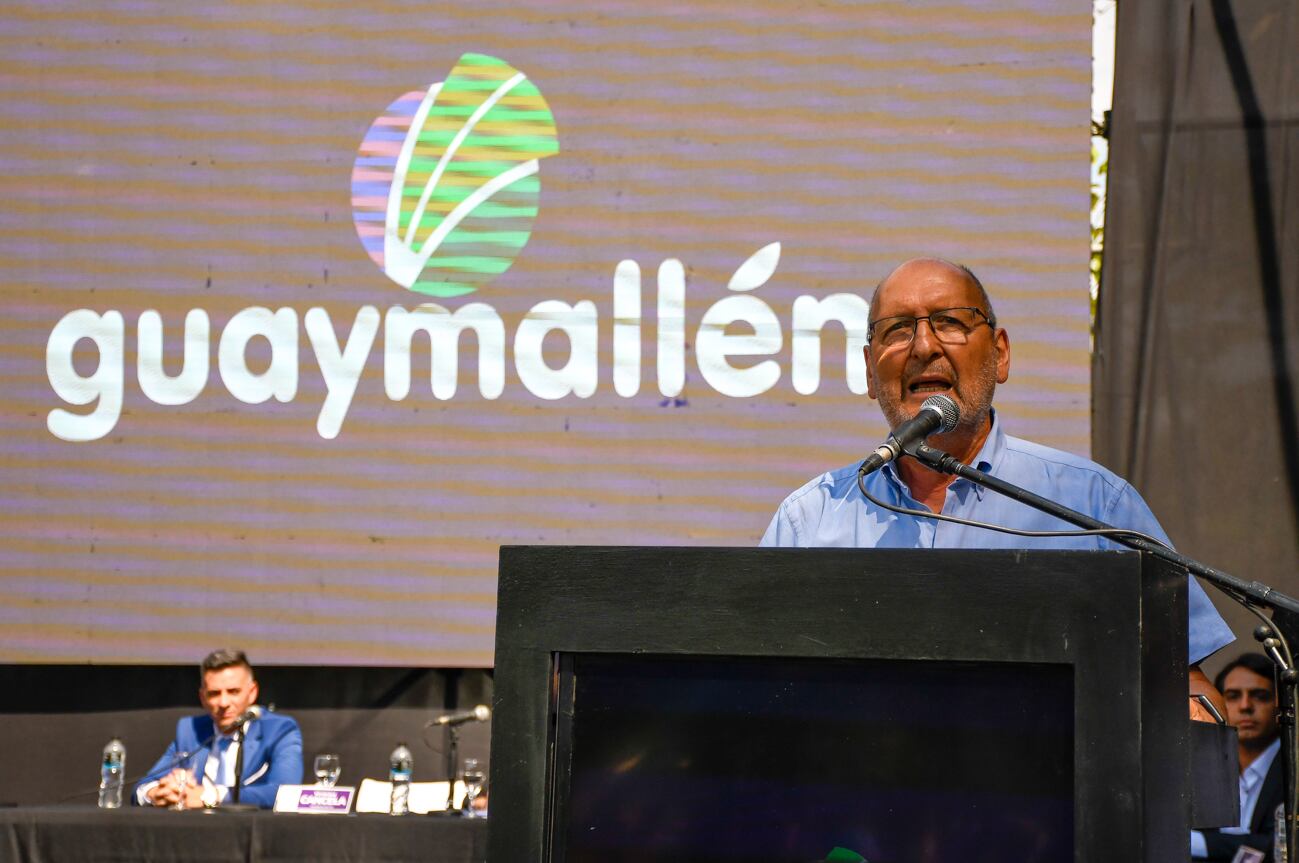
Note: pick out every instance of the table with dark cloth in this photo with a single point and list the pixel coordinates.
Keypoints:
(58, 834)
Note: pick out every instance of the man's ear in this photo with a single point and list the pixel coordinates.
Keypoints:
(1002, 343)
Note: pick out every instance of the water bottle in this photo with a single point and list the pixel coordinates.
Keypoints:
(1279, 851)
(111, 771)
(400, 765)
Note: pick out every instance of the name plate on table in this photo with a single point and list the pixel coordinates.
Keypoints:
(425, 797)
(314, 799)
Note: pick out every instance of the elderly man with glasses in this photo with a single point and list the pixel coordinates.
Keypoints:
(933, 330)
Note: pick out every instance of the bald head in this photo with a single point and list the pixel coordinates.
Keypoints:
(924, 266)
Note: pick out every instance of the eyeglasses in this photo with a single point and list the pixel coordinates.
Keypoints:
(950, 326)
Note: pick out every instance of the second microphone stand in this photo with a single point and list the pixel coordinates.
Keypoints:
(453, 764)
(240, 736)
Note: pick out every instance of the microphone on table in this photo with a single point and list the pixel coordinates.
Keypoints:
(938, 413)
(481, 713)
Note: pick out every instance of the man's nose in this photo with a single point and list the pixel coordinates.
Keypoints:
(924, 342)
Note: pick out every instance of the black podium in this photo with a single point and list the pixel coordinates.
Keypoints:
(696, 704)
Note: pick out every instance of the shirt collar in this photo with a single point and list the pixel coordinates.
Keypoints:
(988, 459)
(994, 448)
(1257, 771)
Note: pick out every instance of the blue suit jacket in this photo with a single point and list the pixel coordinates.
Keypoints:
(272, 755)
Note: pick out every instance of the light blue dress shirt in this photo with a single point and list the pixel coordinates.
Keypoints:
(1251, 786)
(830, 512)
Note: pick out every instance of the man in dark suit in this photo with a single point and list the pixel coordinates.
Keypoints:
(1247, 686)
(198, 768)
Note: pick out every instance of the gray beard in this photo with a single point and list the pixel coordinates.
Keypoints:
(973, 395)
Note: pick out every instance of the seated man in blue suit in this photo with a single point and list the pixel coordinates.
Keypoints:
(198, 768)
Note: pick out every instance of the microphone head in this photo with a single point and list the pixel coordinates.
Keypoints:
(481, 713)
(947, 409)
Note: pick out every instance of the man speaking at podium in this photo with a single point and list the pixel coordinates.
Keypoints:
(198, 768)
(933, 331)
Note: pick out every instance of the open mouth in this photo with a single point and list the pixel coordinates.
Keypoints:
(929, 386)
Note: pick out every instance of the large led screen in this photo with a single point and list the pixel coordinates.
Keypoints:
(310, 307)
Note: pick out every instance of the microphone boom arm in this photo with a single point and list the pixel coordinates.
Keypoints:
(1241, 590)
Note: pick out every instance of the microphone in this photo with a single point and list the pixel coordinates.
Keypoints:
(249, 715)
(481, 713)
(938, 413)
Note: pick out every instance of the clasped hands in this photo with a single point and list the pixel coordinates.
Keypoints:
(178, 790)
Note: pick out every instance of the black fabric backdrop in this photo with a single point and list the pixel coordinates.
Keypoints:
(1196, 368)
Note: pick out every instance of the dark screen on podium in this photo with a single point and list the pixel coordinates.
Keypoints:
(741, 759)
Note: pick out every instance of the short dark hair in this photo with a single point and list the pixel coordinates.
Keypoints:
(984, 301)
(1255, 662)
(223, 657)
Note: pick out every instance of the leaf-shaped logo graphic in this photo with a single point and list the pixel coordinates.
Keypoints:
(446, 185)
(754, 272)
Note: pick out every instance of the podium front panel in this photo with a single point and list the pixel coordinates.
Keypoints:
(752, 704)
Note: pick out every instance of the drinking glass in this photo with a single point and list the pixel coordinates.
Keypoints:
(474, 778)
(328, 768)
(185, 778)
